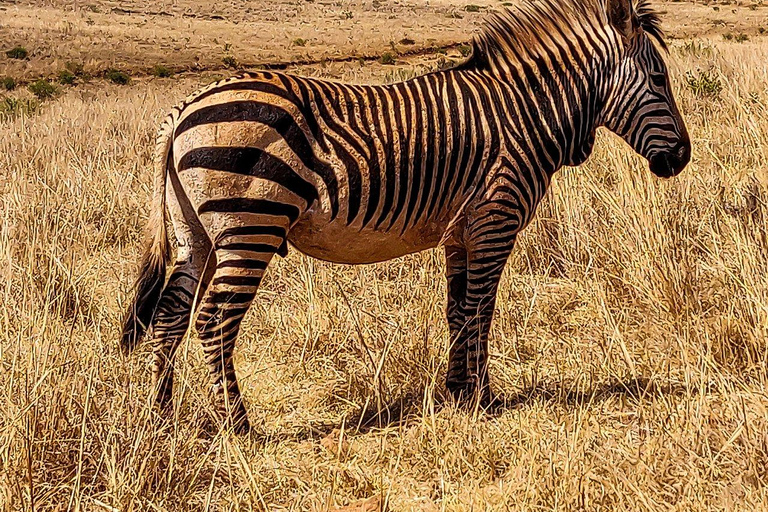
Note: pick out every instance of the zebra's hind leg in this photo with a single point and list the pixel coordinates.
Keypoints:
(236, 280)
(172, 319)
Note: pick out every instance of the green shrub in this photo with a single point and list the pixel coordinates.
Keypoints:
(472, 8)
(299, 42)
(739, 38)
(230, 61)
(8, 83)
(697, 49)
(117, 77)
(445, 63)
(387, 58)
(75, 68)
(705, 84)
(10, 108)
(66, 77)
(465, 50)
(18, 53)
(43, 89)
(407, 41)
(162, 71)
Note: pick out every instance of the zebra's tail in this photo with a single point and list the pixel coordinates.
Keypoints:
(150, 283)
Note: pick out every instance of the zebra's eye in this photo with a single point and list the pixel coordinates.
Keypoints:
(659, 79)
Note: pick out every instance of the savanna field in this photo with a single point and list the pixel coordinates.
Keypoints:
(630, 343)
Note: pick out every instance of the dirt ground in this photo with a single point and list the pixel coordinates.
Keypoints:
(135, 35)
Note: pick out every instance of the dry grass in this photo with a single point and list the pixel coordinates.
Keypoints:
(631, 339)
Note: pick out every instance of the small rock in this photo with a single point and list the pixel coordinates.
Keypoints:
(332, 444)
(372, 504)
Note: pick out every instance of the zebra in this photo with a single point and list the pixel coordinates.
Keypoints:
(356, 174)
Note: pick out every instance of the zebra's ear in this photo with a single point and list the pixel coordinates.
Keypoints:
(622, 15)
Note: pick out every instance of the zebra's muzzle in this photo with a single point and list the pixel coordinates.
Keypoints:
(670, 163)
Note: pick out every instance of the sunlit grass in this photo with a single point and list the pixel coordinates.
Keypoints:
(631, 337)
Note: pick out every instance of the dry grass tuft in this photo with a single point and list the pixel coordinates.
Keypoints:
(630, 341)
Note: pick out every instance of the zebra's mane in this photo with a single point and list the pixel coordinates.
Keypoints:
(520, 27)
(650, 21)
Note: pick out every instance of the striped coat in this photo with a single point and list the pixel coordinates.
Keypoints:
(359, 174)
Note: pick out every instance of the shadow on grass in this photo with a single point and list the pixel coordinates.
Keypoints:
(409, 407)
(640, 388)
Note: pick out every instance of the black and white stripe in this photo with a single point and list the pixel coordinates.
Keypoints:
(358, 174)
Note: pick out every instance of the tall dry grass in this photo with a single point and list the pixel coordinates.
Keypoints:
(630, 340)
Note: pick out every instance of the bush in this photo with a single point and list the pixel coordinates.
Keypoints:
(18, 53)
(230, 61)
(407, 41)
(66, 77)
(387, 58)
(445, 63)
(8, 83)
(11, 108)
(75, 68)
(705, 84)
(117, 77)
(697, 49)
(472, 8)
(465, 50)
(43, 89)
(162, 71)
(299, 42)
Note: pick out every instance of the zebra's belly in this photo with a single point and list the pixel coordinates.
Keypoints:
(338, 242)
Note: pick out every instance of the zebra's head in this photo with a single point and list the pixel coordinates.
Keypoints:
(641, 108)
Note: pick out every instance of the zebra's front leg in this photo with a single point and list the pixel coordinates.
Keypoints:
(233, 287)
(471, 323)
(456, 275)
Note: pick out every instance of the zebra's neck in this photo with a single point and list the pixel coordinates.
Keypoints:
(556, 62)
(546, 109)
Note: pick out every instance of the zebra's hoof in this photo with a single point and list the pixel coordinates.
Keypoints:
(241, 427)
(470, 395)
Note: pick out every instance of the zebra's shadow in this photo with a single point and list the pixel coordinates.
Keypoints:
(409, 409)
(566, 394)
